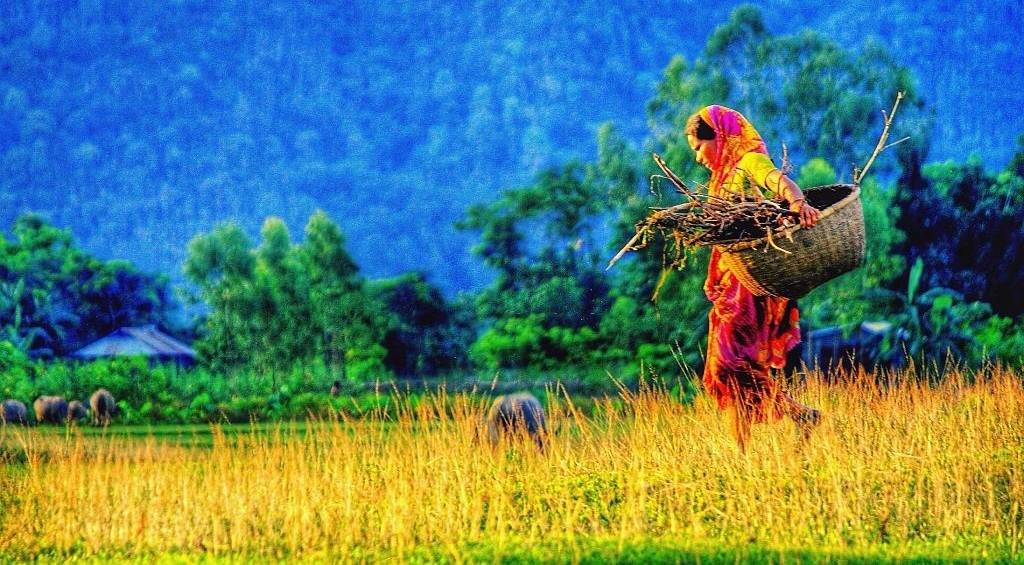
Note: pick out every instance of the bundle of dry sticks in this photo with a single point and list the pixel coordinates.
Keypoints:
(708, 220)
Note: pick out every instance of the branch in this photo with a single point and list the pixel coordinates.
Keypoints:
(624, 249)
(680, 185)
(642, 229)
(858, 175)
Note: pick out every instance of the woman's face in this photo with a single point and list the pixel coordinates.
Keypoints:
(705, 150)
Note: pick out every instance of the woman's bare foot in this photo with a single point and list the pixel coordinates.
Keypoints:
(806, 420)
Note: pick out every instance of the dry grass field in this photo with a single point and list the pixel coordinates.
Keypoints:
(899, 472)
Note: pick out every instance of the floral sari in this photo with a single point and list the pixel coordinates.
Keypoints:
(748, 335)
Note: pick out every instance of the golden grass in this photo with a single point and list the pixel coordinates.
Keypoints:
(894, 467)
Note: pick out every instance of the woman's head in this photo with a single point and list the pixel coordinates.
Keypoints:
(719, 137)
(701, 138)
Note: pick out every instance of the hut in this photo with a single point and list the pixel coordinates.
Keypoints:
(145, 341)
(831, 348)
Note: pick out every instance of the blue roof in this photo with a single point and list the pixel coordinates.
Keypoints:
(146, 340)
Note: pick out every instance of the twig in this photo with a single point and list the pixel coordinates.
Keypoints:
(787, 167)
(897, 142)
(858, 175)
(680, 185)
(643, 232)
(625, 248)
(771, 243)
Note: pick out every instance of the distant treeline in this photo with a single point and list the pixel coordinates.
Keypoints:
(138, 125)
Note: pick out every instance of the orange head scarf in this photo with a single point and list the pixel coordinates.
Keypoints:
(734, 137)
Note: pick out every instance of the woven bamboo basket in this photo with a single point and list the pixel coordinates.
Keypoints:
(832, 247)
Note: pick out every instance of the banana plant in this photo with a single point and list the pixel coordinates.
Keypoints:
(11, 315)
(930, 325)
(36, 330)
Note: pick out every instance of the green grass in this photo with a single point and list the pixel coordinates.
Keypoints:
(585, 551)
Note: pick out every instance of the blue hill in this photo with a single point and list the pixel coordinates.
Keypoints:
(139, 126)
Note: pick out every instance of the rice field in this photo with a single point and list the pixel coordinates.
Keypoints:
(902, 472)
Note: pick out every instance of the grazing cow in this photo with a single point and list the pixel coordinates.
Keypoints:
(51, 409)
(14, 412)
(515, 414)
(77, 411)
(103, 407)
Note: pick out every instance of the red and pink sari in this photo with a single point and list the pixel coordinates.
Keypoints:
(748, 335)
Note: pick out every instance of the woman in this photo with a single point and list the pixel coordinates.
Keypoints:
(748, 335)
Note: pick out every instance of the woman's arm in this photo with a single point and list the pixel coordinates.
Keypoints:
(791, 193)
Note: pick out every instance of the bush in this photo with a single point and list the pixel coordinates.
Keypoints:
(15, 368)
(525, 343)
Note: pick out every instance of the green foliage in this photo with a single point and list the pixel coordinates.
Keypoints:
(365, 364)
(222, 266)
(550, 291)
(425, 334)
(965, 223)
(55, 298)
(282, 288)
(324, 257)
(15, 369)
(530, 343)
(512, 342)
(551, 222)
(816, 172)
(164, 393)
(939, 325)
(641, 331)
(279, 304)
(999, 338)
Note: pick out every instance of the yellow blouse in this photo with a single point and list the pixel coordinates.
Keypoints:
(749, 177)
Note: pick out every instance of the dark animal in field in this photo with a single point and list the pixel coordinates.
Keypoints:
(336, 388)
(77, 411)
(103, 407)
(51, 409)
(516, 414)
(14, 412)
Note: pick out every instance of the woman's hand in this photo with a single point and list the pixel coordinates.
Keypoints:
(809, 215)
(790, 192)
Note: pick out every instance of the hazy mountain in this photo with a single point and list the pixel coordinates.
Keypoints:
(138, 125)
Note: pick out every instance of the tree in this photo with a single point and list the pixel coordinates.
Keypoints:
(222, 266)
(349, 323)
(541, 240)
(980, 252)
(425, 334)
(279, 304)
(55, 298)
(283, 294)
